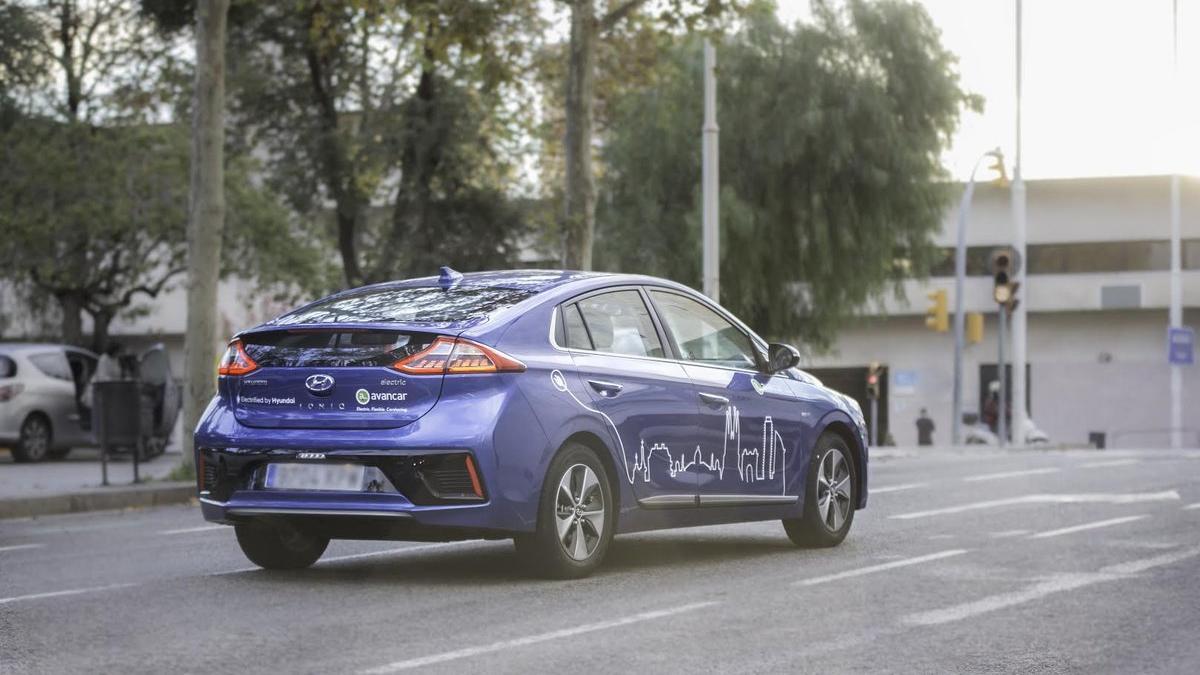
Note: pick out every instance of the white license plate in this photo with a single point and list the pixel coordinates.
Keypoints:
(314, 477)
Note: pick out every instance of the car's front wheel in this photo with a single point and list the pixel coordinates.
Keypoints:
(34, 443)
(575, 517)
(829, 496)
(279, 547)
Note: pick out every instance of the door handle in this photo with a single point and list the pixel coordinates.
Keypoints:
(607, 389)
(714, 400)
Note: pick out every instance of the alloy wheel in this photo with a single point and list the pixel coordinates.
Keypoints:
(35, 438)
(834, 490)
(579, 512)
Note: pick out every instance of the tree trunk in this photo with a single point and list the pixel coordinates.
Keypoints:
(579, 218)
(101, 320)
(206, 217)
(71, 305)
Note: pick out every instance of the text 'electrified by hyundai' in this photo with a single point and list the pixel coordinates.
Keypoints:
(553, 408)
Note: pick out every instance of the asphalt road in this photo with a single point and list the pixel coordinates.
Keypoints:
(1000, 562)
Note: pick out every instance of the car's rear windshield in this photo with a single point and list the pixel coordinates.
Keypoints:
(408, 305)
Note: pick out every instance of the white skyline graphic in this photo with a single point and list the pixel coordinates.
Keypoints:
(755, 464)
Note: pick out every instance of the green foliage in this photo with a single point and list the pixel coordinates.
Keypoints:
(831, 135)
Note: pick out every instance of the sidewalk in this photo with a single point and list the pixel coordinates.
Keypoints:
(73, 484)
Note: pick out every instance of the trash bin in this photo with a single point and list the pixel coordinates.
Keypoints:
(121, 417)
(1096, 439)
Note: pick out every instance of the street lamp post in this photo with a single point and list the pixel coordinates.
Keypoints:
(960, 274)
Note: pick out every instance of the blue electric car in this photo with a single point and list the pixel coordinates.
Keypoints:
(553, 408)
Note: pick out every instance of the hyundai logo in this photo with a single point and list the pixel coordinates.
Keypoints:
(319, 383)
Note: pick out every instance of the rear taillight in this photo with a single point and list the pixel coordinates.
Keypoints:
(9, 391)
(236, 361)
(448, 356)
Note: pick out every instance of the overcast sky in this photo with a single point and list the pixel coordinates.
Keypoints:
(1097, 90)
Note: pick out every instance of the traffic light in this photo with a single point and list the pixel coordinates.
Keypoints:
(873, 372)
(937, 315)
(1004, 265)
(997, 165)
(974, 328)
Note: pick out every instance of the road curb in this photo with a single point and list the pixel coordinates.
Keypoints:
(99, 499)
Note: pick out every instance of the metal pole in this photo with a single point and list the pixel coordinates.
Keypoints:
(960, 274)
(874, 422)
(1176, 311)
(1001, 407)
(1019, 330)
(710, 184)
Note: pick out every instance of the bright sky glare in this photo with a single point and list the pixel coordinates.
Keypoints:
(1097, 87)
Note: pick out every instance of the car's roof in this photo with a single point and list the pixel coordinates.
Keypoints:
(30, 347)
(528, 280)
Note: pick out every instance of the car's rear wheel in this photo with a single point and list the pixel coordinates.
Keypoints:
(575, 517)
(279, 547)
(829, 496)
(33, 444)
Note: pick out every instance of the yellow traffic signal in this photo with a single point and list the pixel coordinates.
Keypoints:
(997, 165)
(937, 316)
(974, 328)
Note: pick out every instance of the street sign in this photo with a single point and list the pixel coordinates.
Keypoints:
(1181, 346)
(904, 382)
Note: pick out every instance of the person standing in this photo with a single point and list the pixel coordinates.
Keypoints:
(925, 428)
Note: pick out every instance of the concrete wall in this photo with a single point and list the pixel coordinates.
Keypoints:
(1089, 371)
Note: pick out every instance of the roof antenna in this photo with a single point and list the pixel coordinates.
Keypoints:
(448, 278)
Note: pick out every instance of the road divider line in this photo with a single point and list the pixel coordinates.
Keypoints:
(360, 556)
(1192, 507)
(199, 528)
(60, 594)
(467, 652)
(1086, 526)
(897, 488)
(1095, 498)
(1008, 533)
(905, 562)
(20, 547)
(1011, 474)
(1109, 463)
(1042, 589)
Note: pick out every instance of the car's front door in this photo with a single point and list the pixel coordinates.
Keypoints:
(648, 401)
(752, 423)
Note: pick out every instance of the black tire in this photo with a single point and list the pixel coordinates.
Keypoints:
(59, 453)
(35, 441)
(279, 547)
(815, 529)
(544, 552)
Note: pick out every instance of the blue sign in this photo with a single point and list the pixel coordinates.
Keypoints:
(1181, 346)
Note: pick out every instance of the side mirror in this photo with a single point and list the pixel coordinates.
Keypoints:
(781, 357)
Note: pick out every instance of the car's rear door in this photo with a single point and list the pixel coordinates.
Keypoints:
(648, 400)
(751, 423)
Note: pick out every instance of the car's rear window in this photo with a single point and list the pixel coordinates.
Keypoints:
(8, 367)
(408, 305)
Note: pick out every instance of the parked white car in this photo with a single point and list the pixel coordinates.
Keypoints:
(44, 409)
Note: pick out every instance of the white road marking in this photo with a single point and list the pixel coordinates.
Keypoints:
(1086, 526)
(20, 547)
(880, 568)
(358, 556)
(1008, 533)
(896, 488)
(200, 528)
(59, 594)
(1108, 463)
(1191, 507)
(1115, 498)
(540, 637)
(1058, 584)
(1011, 474)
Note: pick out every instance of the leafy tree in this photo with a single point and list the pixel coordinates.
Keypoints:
(831, 134)
(588, 27)
(397, 115)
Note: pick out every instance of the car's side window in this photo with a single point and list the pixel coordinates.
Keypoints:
(52, 364)
(574, 331)
(619, 323)
(702, 335)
